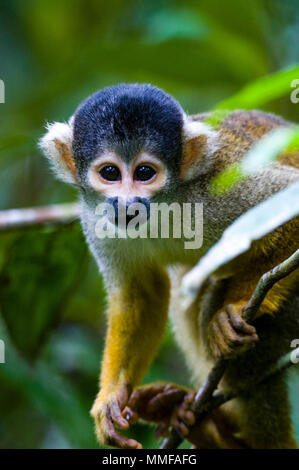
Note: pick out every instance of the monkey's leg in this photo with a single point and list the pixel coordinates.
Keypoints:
(137, 318)
(263, 415)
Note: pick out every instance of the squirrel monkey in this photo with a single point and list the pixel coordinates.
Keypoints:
(134, 143)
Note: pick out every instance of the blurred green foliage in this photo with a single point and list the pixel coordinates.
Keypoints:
(209, 55)
(262, 153)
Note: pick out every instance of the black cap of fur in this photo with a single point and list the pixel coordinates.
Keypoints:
(126, 119)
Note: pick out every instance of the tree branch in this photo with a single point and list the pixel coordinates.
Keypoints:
(205, 393)
(57, 213)
(282, 364)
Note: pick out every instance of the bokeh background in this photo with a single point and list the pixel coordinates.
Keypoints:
(53, 53)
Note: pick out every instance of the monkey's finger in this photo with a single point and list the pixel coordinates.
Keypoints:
(166, 400)
(180, 427)
(218, 343)
(237, 321)
(189, 398)
(214, 348)
(185, 414)
(117, 440)
(144, 394)
(129, 415)
(117, 417)
(229, 334)
(217, 352)
(230, 346)
(184, 429)
(169, 387)
(189, 417)
(162, 430)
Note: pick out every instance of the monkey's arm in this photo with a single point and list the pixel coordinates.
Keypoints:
(137, 318)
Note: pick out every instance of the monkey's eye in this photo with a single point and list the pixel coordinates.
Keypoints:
(144, 173)
(110, 173)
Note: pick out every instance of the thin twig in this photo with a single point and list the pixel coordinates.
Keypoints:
(206, 391)
(56, 213)
(218, 398)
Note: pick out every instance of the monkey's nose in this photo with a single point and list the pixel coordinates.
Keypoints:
(114, 202)
(139, 200)
(118, 204)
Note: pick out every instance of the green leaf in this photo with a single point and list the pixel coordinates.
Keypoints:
(39, 268)
(263, 152)
(175, 23)
(50, 393)
(263, 90)
(222, 183)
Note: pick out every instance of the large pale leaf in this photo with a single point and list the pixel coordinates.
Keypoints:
(238, 237)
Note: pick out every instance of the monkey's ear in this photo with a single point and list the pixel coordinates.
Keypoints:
(200, 141)
(57, 146)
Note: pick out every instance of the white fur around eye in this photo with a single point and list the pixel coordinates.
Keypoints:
(62, 134)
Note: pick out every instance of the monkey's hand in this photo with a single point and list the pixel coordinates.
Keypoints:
(157, 403)
(107, 412)
(229, 334)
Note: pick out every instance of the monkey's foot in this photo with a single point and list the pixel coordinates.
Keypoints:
(211, 432)
(229, 333)
(155, 403)
(170, 406)
(183, 417)
(107, 412)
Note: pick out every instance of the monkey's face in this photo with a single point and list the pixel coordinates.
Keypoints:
(126, 183)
